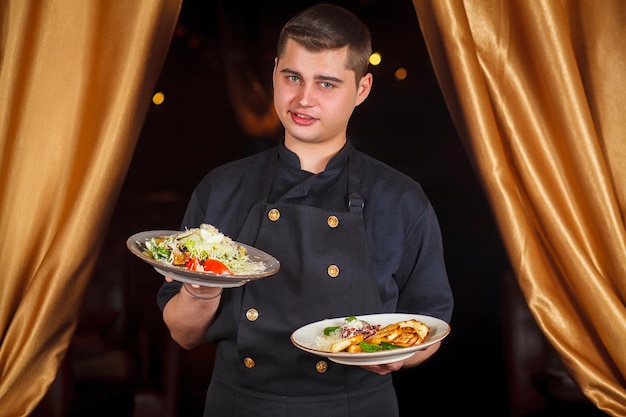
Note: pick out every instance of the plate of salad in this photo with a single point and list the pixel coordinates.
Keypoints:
(318, 338)
(202, 256)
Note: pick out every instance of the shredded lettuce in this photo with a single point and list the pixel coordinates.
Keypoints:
(205, 242)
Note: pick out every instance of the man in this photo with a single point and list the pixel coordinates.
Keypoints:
(353, 237)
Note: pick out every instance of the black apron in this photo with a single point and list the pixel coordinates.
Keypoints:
(325, 272)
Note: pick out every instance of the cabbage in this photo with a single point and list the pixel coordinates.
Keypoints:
(205, 242)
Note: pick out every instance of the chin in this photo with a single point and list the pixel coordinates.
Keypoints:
(305, 137)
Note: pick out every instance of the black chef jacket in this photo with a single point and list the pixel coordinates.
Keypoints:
(403, 233)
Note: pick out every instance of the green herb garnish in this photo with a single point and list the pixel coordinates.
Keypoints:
(368, 347)
(329, 330)
(389, 346)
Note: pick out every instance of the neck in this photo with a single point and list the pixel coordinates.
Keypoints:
(314, 156)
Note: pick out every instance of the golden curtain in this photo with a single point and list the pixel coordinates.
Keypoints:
(76, 79)
(536, 90)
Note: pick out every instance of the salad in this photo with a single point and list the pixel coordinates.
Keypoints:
(203, 249)
(351, 326)
(355, 335)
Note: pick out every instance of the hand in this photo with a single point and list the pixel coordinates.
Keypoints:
(418, 357)
(190, 312)
(384, 369)
(198, 291)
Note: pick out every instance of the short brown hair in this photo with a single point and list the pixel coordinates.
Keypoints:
(327, 26)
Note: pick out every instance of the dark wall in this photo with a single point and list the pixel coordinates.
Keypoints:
(404, 123)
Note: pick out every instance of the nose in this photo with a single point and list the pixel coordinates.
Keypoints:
(307, 95)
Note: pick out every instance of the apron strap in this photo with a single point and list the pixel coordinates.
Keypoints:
(250, 229)
(268, 177)
(355, 201)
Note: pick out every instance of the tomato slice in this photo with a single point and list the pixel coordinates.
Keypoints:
(194, 264)
(216, 267)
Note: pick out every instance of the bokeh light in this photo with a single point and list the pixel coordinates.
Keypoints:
(375, 58)
(400, 74)
(158, 98)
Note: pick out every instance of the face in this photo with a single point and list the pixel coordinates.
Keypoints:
(315, 95)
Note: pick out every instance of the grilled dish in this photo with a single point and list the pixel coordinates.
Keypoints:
(397, 335)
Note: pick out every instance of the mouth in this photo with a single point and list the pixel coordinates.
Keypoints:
(302, 119)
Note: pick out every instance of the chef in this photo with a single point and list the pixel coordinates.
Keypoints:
(353, 237)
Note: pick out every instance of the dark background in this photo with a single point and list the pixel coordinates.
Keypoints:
(403, 123)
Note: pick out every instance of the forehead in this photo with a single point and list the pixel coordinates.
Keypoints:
(326, 61)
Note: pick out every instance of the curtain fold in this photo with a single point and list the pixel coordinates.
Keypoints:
(76, 80)
(535, 89)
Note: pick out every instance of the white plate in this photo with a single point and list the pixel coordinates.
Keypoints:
(137, 245)
(305, 338)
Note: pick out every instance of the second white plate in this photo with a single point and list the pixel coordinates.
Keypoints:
(305, 338)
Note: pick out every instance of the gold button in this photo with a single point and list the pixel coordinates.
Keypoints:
(249, 362)
(332, 221)
(321, 367)
(333, 271)
(273, 214)
(252, 314)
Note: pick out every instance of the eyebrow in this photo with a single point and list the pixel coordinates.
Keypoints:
(317, 77)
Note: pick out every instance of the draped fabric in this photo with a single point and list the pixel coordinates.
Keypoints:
(76, 79)
(536, 90)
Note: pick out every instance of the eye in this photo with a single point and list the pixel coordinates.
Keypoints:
(293, 78)
(326, 84)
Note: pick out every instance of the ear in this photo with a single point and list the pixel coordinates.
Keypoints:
(363, 88)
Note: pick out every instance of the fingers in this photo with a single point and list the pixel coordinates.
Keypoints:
(196, 286)
(168, 279)
(384, 369)
(206, 293)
